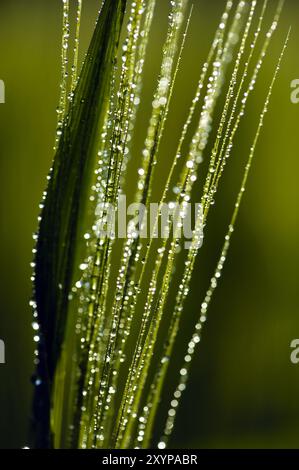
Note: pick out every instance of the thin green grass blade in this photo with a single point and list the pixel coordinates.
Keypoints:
(104, 353)
(199, 142)
(196, 336)
(65, 201)
(96, 319)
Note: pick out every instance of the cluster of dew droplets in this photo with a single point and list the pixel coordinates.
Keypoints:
(231, 89)
(61, 109)
(196, 242)
(182, 293)
(112, 155)
(127, 292)
(160, 91)
(76, 49)
(85, 289)
(216, 43)
(139, 67)
(109, 369)
(215, 82)
(219, 158)
(110, 134)
(161, 97)
(126, 255)
(198, 142)
(224, 154)
(196, 336)
(137, 42)
(215, 165)
(140, 367)
(159, 110)
(131, 251)
(102, 334)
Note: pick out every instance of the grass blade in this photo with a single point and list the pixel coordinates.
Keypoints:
(65, 201)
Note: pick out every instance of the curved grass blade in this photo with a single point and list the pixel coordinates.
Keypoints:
(196, 149)
(97, 320)
(195, 339)
(64, 203)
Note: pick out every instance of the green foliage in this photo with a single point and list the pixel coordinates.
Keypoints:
(104, 349)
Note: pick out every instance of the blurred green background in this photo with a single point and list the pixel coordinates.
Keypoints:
(243, 390)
